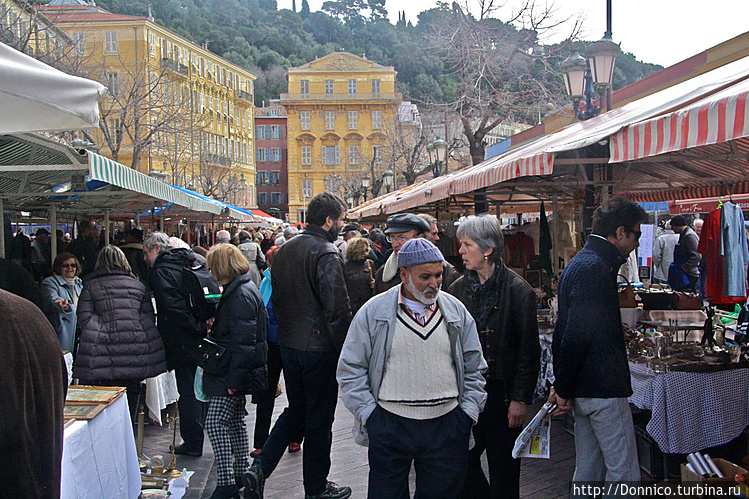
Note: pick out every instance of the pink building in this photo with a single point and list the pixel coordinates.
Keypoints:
(271, 160)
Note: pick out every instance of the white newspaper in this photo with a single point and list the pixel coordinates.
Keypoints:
(535, 439)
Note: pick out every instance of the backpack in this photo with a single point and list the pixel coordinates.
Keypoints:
(201, 291)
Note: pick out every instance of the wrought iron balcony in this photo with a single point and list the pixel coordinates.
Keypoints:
(241, 94)
(376, 96)
(171, 65)
(215, 159)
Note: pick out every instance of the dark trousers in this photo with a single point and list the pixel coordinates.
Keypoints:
(437, 447)
(493, 435)
(267, 400)
(312, 391)
(191, 410)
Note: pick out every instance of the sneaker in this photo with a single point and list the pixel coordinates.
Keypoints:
(225, 492)
(294, 447)
(255, 453)
(332, 491)
(254, 482)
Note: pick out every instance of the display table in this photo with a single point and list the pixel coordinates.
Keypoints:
(692, 411)
(99, 458)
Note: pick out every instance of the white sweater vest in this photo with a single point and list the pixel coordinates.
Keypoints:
(419, 380)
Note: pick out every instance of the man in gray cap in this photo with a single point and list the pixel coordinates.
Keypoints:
(411, 373)
(403, 227)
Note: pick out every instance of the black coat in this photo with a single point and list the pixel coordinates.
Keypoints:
(309, 297)
(119, 339)
(510, 338)
(241, 327)
(359, 282)
(179, 328)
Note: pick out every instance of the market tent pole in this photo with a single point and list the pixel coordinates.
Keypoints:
(2, 232)
(555, 233)
(53, 230)
(106, 227)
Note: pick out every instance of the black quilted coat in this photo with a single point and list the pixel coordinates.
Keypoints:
(241, 327)
(119, 339)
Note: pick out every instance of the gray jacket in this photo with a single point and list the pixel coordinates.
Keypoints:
(663, 253)
(368, 343)
(252, 253)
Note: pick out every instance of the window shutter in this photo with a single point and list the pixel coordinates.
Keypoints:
(323, 156)
(337, 155)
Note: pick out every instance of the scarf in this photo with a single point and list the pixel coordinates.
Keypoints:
(486, 295)
(70, 281)
(391, 268)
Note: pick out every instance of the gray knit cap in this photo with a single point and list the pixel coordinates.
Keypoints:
(417, 251)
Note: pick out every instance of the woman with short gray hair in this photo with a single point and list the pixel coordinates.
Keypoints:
(504, 307)
(119, 345)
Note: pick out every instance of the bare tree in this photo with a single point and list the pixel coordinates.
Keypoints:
(501, 69)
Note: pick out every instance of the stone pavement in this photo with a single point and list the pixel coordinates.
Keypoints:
(540, 478)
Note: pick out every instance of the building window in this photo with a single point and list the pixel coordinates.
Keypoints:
(375, 86)
(263, 198)
(261, 155)
(330, 120)
(275, 132)
(304, 118)
(306, 155)
(110, 42)
(304, 87)
(261, 178)
(353, 155)
(376, 120)
(152, 44)
(274, 177)
(331, 155)
(307, 188)
(328, 86)
(275, 155)
(353, 120)
(377, 154)
(79, 42)
(274, 112)
(276, 198)
(352, 86)
(112, 82)
(260, 132)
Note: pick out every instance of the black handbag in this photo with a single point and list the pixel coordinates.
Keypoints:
(212, 357)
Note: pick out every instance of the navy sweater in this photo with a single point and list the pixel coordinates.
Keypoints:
(590, 358)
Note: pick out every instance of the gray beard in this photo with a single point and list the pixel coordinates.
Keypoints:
(421, 295)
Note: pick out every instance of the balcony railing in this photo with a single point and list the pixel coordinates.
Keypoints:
(171, 65)
(391, 96)
(215, 159)
(241, 94)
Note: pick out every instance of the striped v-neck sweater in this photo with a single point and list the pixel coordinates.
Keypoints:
(419, 379)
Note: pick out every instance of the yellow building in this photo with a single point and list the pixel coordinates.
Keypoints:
(339, 109)
(29, 31)
(175, 109)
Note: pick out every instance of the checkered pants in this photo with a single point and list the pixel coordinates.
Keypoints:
(225, 426)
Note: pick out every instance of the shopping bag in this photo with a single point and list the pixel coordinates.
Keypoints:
(198, 386)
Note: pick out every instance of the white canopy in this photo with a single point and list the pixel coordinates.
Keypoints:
(37, 97)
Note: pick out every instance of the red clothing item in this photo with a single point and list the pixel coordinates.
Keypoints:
(712, 262)
(520, 250)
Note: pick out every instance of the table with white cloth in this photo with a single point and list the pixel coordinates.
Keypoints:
(160, 392)
(99, 460)
(692, 411)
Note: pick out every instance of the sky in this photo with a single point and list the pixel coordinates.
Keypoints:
(657, 31)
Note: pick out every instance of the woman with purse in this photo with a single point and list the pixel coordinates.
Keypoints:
(235, 356)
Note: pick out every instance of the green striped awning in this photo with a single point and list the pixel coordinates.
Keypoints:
(105, 170)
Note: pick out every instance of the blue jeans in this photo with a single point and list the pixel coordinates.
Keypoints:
(312, 391)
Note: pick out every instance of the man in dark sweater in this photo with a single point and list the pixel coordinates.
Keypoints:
(590, 358)
(686, 255)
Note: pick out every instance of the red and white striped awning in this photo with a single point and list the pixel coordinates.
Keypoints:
(537, 158)
(718, 118)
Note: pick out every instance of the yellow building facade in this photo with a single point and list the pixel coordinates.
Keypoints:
(175, 109)
(339, 108)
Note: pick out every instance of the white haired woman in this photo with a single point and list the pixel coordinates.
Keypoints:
(504, 307)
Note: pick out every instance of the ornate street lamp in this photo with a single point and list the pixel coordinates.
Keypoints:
(437, 151)
(365, 185)
(580, 75)
(387, 179)
(350, 200)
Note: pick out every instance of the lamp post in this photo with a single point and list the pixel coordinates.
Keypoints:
(350, 200)
(581, 75)
(365, 182)
(387, 179)
(437, 151)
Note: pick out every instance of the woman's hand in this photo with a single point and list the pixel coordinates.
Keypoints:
(231, 392)
(63, 304)
(516, 414)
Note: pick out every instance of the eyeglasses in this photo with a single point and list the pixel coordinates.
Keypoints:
(70, 265)
(401, 239)
(637, 233)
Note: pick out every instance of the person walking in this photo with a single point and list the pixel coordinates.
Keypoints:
(590, 357)
(119, 345)
(504, 307)
(181, 332)
(684, 272)
(411, 374)
(86, 246)
(62, 291)
(312, 307)
(240, 328)
(254, 256)
(663, 254)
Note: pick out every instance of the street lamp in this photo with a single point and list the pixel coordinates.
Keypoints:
(365, 185)
(581, 74)
(387, 179)
(350, 200)
(437, 151)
